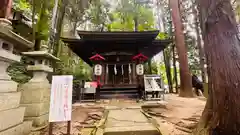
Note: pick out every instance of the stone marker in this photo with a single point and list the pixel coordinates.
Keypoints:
(36, 93)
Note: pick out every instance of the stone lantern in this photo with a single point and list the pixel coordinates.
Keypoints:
(36, 93)
(11, 114)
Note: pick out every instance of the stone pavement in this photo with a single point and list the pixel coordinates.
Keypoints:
(128, 121)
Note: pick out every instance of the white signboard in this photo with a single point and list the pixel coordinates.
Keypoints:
(61, 98)
(87, 85)
(140, 69)
(98, 69)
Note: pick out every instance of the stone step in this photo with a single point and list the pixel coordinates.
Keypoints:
(120, 96)
(9, 100)
(12, 117)
(21, 129)
(128, 122)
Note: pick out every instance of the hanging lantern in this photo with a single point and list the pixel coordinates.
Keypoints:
(98, 69)
(140, 69)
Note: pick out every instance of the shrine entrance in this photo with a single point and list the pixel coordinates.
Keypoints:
(119, 74)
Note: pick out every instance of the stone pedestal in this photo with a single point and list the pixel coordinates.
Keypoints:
(11, 114)
(36, 93)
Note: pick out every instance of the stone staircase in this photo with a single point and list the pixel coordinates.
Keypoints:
(108, 93)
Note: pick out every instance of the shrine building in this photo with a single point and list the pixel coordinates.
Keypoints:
(117, 58)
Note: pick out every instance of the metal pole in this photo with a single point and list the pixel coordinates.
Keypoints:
(68, 127)
(50, 131)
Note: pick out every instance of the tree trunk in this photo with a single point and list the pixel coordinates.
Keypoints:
(5, 8)
(168, 69)
(175, 68)
(223, 55)
(135, 23)
(58, 24)
(150, 66)
(185, 77)
(200, 45)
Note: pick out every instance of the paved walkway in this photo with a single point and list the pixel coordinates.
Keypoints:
(128, 121)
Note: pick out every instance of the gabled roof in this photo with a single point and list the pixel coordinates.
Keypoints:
(91, 43)
(118, 35)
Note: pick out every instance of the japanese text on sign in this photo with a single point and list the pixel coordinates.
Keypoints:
(61, 98)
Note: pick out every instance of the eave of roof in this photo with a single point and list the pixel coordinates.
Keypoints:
(118, 35)
(85, 49)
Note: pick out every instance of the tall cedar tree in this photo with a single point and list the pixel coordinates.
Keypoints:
(185, 76)
(220, 34)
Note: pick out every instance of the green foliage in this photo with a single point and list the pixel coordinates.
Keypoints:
(71, 64)
(162, 70)
(43, 9)
(18, 72)
(22, 5)
(75, 10)
(128, 12)
(99, 14)
(162, 36)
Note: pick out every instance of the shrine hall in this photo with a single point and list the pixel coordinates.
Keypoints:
(117, 58)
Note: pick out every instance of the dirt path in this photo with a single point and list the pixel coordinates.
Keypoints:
(82, 116)
(179, 116)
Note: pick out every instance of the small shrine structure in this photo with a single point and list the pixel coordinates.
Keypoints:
(117, 58)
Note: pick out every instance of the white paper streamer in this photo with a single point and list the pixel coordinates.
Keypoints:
(122, 70)
(129, 68)
(107, 69)
(115, 69)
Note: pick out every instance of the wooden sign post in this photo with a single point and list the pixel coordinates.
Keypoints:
(61, 101)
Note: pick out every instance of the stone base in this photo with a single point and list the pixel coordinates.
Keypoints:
(11, 117)
(35, 110)
(6, 23)
(35, 92)
(9, 100)
(21, 129)
(40, 121)
(8, 86)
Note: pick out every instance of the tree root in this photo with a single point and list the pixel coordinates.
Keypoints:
(184, 129)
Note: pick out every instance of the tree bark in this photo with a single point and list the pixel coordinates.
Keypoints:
(185, 77)
(5, 8)
(175, 68)
(168, 69)
(223, 55)
(135, 23)
(58, 24)
(150, 66)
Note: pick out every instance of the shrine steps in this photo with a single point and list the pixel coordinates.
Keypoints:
(118, 93)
